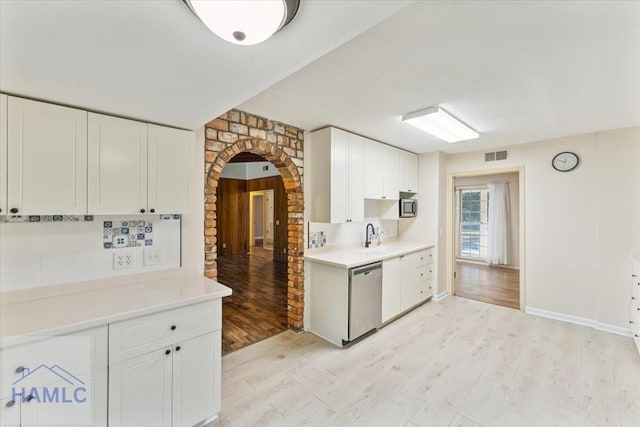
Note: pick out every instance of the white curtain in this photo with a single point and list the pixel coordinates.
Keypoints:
(498, 238)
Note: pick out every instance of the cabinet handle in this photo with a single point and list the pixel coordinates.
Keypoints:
(178, 348)
(10, 403)
(19, 369)
(384, 197)
(167, 351)
(173, 327)
(152, 210)
(14, 210)
(29, 398)
(142, 211)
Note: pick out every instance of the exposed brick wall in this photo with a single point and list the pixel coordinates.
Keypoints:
(283, 145)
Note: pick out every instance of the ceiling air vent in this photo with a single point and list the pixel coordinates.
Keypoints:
(495, 155)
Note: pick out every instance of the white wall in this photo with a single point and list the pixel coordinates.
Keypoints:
(514, 197)
(34, 254)
(251, 170)
(580, 226)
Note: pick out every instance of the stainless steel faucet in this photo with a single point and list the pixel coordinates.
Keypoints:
(367, 240)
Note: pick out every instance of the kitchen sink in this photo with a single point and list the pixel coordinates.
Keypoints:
(379, 250)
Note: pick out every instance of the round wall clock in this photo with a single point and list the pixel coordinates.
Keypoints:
(565, 161)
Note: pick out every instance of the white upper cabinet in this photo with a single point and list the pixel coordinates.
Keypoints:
(380, 171)
(408, 171)
(117, 165)
(46, 158)
(170, 153)
(3, 154)
(136, 167)
(337, 183)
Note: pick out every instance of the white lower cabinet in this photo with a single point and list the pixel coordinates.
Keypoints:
(407, 281)
(634, 305)
(171, 380)
(59, 380)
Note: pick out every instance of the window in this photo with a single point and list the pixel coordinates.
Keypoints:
(473, 215)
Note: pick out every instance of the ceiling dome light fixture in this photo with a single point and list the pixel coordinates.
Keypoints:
(244, 22)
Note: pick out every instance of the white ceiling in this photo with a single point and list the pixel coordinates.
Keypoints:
(515, 71)
(154, 60)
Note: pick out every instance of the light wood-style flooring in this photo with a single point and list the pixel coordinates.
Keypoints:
(495, 285)
(257, 309)
(456, 362)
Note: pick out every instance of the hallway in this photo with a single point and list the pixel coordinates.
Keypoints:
(258, 307)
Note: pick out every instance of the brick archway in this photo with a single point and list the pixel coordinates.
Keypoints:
(295, 222)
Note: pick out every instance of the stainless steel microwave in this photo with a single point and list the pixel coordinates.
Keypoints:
(408, 208)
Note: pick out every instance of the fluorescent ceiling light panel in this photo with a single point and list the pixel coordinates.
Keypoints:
(439, 123)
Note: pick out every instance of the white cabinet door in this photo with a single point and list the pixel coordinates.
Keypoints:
(169, 162)
(409, 288)
(373, 170)
(3, 154)
(47, 158)
(9, 412)
(408, 172)
(390, 172)
(196, 380)
(62, 404)
(117, 165)
(380, 171)
(356, 178)
(339, 176)
(140, 390)
(391, 288)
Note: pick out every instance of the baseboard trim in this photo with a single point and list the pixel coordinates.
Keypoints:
(618, 330)
(440, 296)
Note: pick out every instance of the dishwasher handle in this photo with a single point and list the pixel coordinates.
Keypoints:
(365, 269)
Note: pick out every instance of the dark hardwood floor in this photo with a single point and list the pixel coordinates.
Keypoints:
(258, 307)
(495, 285)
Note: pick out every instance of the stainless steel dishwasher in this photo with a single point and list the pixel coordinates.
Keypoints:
(365, 300)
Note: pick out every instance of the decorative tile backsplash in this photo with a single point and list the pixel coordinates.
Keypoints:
(317, 239)
(130, 233)
(47, 218)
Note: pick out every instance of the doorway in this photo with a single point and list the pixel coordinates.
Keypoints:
(261, 223)
(251, 247)
(487, 224)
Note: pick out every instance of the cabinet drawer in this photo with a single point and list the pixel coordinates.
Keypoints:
(76, 353)
(142, 334)
(424, 273)
(424, 257)
(635, 288)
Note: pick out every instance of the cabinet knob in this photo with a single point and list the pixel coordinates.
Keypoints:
(14, 210)
(142, 211)
(29, 398)
(19, 369)
(152, 210)
(173, 327)
(167, 351)
(178, 348)
(10, 403)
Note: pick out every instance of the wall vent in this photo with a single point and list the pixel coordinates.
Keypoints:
(495, 155)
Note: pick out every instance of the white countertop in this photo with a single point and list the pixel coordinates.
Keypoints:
(349, 256)
(42, 312)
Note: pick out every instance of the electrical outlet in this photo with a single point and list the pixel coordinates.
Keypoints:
(122, 260)
(153, 256)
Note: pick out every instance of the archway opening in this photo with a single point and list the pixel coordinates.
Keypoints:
(292, 184)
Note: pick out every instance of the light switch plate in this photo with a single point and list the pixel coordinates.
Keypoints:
(153, 256)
